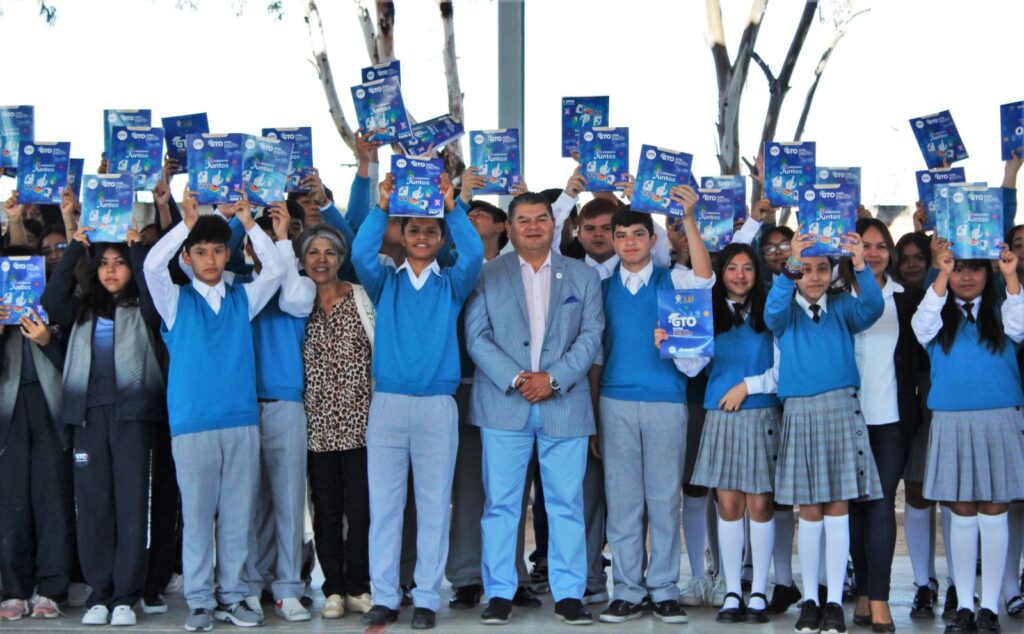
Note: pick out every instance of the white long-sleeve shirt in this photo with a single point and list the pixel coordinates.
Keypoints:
(927, 321)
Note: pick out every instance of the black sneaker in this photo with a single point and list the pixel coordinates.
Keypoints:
(670, 611)
(539, 577)
(832, 619)
(810, 618)
(986, 621)
(962, 621)
(497, 612)
(572, 612)
(822, 594)
(950, 607)
(933, 585)
(525, 599)
(922, 608)
(466, 597)
(732, 615)
(620, 611)
(379, 615)
(756, 615)
(782, 598)
(423, 619)
(1015, 607)
(407, 595)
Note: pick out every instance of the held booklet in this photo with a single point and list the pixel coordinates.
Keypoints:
(604, 155)
(302, 153)
(686, 318)
(827, 212)
(736, 185)
(42, 172)
(976, 218)
(75, 168)
(17, 124)
(215, 167)
(436, 133)
(579, 113)
(417, 190)
(840, 176)
(381, 110)
(22, 281)
(107, 206)
(265, 169)
(114, 118)
(938, 139)
(496, 154)
(138, 151)
(382, 70)
(1011, 122)
(714, 215)
(789, 168)
(176, 131)
(927, 181)
(660, 170)
(943, 193)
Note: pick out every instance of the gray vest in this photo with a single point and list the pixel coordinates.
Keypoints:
(10, 381)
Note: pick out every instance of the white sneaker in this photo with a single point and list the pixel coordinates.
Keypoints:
(78, 594)
(97, 615)
(717, 596)
(291, 609)
(694, 593)
(334, 607)
(123, 615)
(253, 603)
(359, 603)
(175, 585)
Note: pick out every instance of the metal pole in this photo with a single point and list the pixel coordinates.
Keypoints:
(511, 72)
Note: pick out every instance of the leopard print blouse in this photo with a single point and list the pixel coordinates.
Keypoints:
(336, 355)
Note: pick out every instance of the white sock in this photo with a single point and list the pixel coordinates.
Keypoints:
(917, 532)
(809, 547)
(1015, 524)
(837, 551)
(994, 531)
(782, 551)
(933, 539)
(947, 539)
(730, 535)
(693, 533)
(963, 549)
(762, 541)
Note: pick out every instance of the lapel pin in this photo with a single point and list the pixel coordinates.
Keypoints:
(558, 275)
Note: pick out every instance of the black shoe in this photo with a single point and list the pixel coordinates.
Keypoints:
(962, 621)
(822, 594)
(379, 615)
(407, 595)
(572, 612)
(1015, 607)
(620, 611)
(466, 597)
(922, 608)
(525, 599)
(832, 619)
(307, 602)
(933, 585)
(756, 615)
(539, 577)
(949, 609)
(423, 619)
(986, 621)
(647, 603)
(497, 612)
(862, 620)
(881, 628)
(782, 598)
(745, 577)
(670, 611)
(731, 615)
(810, 618)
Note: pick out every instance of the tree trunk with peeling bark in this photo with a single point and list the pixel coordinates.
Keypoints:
(451, 74)
(323, 70)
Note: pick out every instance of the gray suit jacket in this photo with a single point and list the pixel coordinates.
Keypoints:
(498, 340)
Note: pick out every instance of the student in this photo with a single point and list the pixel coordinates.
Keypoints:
(776, 244)
(211, 396)
(413, 419)
(913, 259)
(739, 443)
(824, 456)
(642, 422)
(976, 446)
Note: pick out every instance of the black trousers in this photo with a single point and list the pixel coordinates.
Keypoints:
(873, 524)
(112, 495)
(35, 506)
(338, 483)
(165, 514)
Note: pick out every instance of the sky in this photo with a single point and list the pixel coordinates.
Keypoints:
(897, 61)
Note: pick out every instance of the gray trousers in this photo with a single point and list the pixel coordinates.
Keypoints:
(275, 542)
(217, 475)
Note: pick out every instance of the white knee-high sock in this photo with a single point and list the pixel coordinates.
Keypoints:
(947, 538)
(994, 531)
(809, 548)
(933, 539)
(730, 535)
(693, 533)
(963, 549)
(917, 532)
(837, 551)
(782, 550)
(762, 542)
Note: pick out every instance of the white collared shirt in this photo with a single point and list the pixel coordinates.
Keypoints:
(418, 281)
(927, 321)
(635, 281)
(212, 294)
(806, 305)
(873, 350)
(537, 288)
(604, 269)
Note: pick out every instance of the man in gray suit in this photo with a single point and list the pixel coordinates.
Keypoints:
(533, 328)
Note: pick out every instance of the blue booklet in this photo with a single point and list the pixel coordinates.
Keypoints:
(976, 215)
(927, 180)
(107, 206)
(736, 185)
(714, 215)
(659, 171)
(840, 176)
(686, 317)
(75, 169)
(827, 212)
(938, 139)
(22, 281)
(496, 153)
(436, 133)
(215, 167)
(789, 168)
(176, 131)
(604, 155)
(942, 196)
(115, 118)
(1011, 122)
(382, 70)
(302, 153)
(381, 110)
(579, 113)
(138, 151)
(265, 168)
(42, 172)
(417, 187)
(17, 124)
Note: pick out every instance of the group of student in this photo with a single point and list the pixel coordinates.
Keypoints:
(425, 374)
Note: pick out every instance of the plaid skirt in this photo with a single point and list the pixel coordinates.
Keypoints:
(976, 456)
(739, 450)
(824, 452)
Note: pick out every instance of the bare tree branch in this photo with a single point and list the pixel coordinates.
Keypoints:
(767, 70)
(385, 31)
(323, 69)
(369, 32)
(716, 40)
(451, 71)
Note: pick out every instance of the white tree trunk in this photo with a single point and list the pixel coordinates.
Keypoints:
(451, 72)
(369, 32)
(323, 69)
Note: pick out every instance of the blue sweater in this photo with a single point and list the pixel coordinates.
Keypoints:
(818, 357)
(633, 367)
(970, 376)
(415, 348)
(211, 382)
(739, 353)
(278, 344)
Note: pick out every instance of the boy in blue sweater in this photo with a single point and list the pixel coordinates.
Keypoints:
(413, 417)
(211, 399)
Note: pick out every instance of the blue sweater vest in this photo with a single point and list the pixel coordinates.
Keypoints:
(970, 376)
(739, 353)
(278, 341)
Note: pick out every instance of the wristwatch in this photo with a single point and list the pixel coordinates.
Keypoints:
(553, 383)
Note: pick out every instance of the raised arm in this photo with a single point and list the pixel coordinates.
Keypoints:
(367, 244)
(869, 303)
(1013, 306)
(261, 290)
(700, 259)
(297, 293)
(562, 208)
(59, 296)
(927, 319)
(1010, 170)
(162, 288)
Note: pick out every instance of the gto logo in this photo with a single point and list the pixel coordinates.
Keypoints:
(681, 321)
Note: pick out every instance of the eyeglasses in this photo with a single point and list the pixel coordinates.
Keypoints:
(774, 249)
(60, 246)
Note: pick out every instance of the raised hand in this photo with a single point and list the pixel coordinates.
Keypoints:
(920, 215)
(190, 208)
(627, 186)
(384, 189)
(762, 209)
(242, 210)
(68, 203)
(132, 236)
(799, 244)
(280, 218)
(853, 245)
(315, 186)
(685, 196)
(471, 181)
(162, 193)
(33, 328)
(448, 191)
(11, 206)
(576, 183)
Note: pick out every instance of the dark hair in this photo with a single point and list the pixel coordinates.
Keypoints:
(208, 228)
(990, 331)
(920, 240)
(407, 219)
(496, 213)
(1011, 233)
(530, 198)
(626, 217)
(846, 277)
(265, 222)
(49, 230)
(34, 226)
(754, 303)
(786, 232)
(19, 250)
(598, 207)
(151, 225)
(97, 301)
(291, 201)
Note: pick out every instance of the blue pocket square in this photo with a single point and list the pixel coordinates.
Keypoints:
(571, 300)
